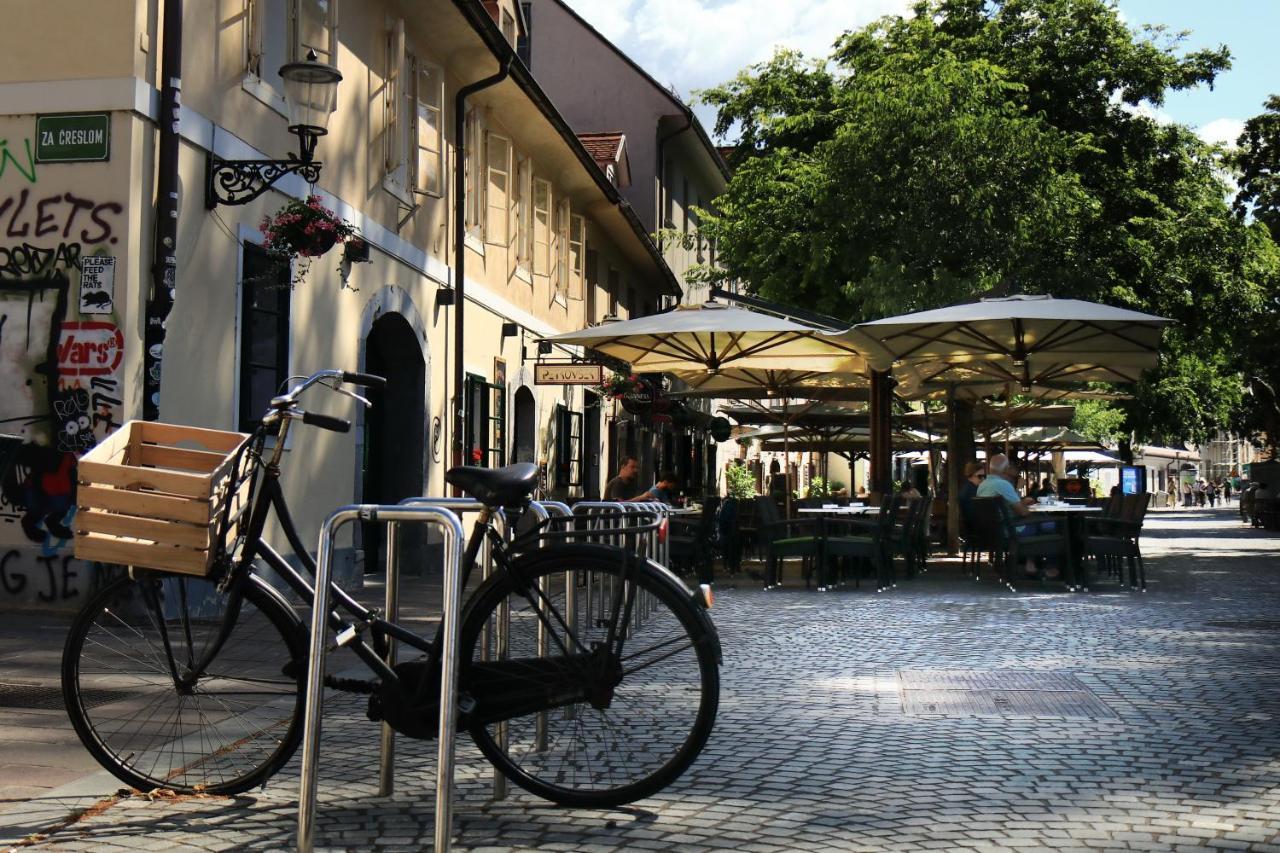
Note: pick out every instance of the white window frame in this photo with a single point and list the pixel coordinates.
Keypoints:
(262, 86)
(497, 201)
(395, 171)
(474, 158)
(524, 218)
(577, 256)
(435, 86)
(560, 253)
(542, 248)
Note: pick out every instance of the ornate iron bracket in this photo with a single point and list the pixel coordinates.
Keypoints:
(241, 181)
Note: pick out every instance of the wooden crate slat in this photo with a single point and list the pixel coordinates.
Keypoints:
(136, 527)
(154, 432)
(179, 458)
(135, 552)
(144, 504)
(153, 479)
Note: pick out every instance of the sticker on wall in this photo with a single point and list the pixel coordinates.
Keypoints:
(97, 284)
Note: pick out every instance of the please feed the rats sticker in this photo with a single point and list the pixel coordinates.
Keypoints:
(97, 284)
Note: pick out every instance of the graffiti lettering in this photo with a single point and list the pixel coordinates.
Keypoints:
(60, 212)
(53, 578)
(7, 159)
(89, 348)
(12, 580)
(28, 261)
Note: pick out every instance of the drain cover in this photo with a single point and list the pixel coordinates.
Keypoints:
(949, 693)
(1247, 625)
(48, 697)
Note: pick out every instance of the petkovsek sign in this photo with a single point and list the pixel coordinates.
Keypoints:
(567, 374)
(73, 137)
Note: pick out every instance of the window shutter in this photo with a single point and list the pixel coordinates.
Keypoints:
(332, 24)
(391, 96)
(253, 12)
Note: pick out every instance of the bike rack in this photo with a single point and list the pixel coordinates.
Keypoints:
(451, 528)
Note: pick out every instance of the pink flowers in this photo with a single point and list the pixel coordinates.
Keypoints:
(304, 229)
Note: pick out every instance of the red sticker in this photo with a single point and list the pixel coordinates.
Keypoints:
(89, 348)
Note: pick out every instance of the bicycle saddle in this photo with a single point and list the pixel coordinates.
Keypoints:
(496, 487)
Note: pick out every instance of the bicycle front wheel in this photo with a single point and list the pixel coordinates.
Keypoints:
(144, 708)
(625, 725)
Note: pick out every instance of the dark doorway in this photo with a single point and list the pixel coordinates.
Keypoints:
(526, 428)
(591, 406)
(394, 436)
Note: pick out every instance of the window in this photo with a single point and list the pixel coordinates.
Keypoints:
(577, 245)
(684, 204)
(541, 227)
(393, 96)
(615, 288)
(523, 48)
(428, 133)
(568, 447)
(524, 212)
(560, 272)
(509, 28)
(498, 190)
(281, 31)
(264, 332)
(486, 415)
(592, 285)
(474, 158)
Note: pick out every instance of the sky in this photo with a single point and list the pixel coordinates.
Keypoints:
(693, 44)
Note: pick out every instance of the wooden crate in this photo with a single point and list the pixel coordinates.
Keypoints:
(152, 495)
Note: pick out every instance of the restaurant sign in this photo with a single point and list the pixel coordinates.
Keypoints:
(73, 137)
(567, 374)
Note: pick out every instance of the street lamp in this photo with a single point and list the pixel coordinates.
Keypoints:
(311, 95)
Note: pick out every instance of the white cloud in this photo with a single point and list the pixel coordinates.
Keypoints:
(694, 44)
(1221, 131)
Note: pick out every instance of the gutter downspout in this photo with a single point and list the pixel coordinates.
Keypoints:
(164, 265)
(662, 170)
(460, 247)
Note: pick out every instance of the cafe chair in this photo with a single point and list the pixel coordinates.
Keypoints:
(1114, 541)
(864, 541)
(689, 541)
(908, 537)
(787, 537)
(1035, 546)
(726, 542)
(983, 527)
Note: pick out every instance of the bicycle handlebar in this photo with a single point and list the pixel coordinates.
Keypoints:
(368, 380)
(326, 422)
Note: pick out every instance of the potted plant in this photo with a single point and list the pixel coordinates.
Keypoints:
(304, 230)
(619, 385)
(739, 482)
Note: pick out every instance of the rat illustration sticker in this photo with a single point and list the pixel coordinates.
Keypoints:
(97, 284)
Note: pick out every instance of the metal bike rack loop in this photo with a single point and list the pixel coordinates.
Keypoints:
(453, 537)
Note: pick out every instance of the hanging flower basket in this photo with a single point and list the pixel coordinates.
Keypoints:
(621, 385)
(302, 230)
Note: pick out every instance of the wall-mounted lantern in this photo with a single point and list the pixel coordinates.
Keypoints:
(311, 95)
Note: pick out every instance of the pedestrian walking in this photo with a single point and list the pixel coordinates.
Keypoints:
(1186, 493)
(1211, 493)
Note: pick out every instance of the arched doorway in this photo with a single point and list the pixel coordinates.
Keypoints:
(394, 436)
(526, 427)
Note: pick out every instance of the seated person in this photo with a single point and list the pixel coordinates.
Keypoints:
(974, 473)
(999, 483)
(1046, 489)
(663, 491)
(909, 491)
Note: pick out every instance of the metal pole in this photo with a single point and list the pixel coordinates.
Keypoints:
(386, 766)
(451, 599)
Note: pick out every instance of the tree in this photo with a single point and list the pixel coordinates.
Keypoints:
(1006, 146)
(1257, 157)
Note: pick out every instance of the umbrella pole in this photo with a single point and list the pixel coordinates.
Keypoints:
(786, 456)
(1008, 424)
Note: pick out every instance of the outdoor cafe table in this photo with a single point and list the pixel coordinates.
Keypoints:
(838, 510)
(1069, 513)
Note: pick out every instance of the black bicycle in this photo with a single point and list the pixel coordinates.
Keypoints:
(197, 684)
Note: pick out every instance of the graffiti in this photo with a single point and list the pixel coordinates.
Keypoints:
(104, 405)
(31, 317)
(89, 348)
(75, 428)
(28, 261)
(39, 488)
(49, 578)
(62, 214)
(7, 159)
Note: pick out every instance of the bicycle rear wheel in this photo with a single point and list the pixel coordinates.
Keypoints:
(609, 748)
(226, 728)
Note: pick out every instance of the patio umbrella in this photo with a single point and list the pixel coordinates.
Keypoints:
(1024, 339)
(749, 383)
(693, 341)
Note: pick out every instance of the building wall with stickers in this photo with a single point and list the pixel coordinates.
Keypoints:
(69, 337)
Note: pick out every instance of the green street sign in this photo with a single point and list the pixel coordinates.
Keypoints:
(73, 137)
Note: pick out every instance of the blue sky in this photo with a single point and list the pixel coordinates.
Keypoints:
(693, 44)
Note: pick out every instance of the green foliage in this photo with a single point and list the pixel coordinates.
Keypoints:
(1258, 159)
(1099, 420)
(819, 488)
(1006, 146)
(739, 482)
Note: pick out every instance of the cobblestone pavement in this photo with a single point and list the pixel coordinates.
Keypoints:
(813, 750)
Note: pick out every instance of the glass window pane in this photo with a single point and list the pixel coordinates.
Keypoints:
(263, 343)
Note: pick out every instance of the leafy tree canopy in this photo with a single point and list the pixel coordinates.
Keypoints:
(1000, 146)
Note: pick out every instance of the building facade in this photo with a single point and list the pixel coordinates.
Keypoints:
(545, 233)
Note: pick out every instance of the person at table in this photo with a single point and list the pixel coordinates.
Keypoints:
(624, 487)
(1046, 489)
(974, 474)
(999, 484)
(909, 491)
(664, 490)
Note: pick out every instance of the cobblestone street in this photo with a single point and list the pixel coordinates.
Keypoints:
(814, 748)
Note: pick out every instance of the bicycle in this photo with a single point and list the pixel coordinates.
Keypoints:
(196, 684)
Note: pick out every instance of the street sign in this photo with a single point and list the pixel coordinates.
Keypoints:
(567, 374)
(73, 137)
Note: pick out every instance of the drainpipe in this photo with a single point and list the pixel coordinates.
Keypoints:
(662, 169)
(460, 247)
(164, 265)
